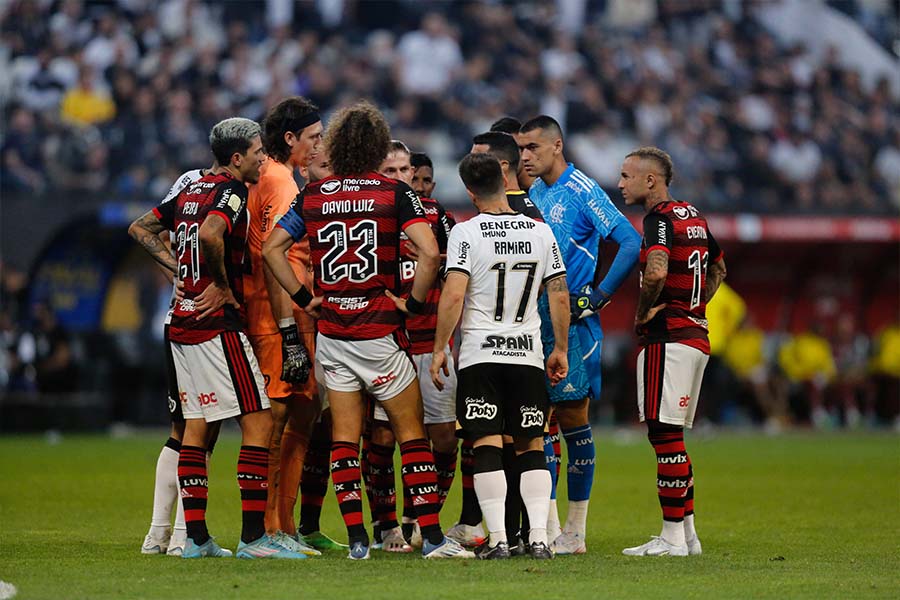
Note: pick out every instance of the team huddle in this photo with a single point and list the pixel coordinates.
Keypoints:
(339, 321)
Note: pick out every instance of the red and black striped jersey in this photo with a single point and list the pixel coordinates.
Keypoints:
(354, 225)
(420, 328)
(222, 195)
(678, 229)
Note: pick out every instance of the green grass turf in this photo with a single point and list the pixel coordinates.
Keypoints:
(796, 516)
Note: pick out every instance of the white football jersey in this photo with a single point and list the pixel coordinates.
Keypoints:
(507, 258)
(184, 180)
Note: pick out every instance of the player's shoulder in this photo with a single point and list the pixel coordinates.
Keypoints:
(678, 210)
(181, 183)
(581, 183)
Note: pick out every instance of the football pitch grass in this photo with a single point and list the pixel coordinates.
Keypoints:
(802, 515)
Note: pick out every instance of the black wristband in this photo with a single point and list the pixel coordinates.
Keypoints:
(302, 298)
(414, 306)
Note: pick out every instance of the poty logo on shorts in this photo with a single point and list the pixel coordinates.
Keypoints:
(330, 187)
(477, 408)
(383, 379)
(531, 416)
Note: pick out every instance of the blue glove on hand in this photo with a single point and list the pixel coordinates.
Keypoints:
(586, 303)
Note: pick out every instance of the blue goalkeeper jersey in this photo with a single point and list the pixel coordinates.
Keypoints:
(580, 214)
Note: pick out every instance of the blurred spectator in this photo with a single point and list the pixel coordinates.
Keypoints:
(806, 365)
(755, 125)
(745, 355)
(428, 57)
(54, 361)
(87, 103)
(21, 154)
(885, 368)
(851, 357)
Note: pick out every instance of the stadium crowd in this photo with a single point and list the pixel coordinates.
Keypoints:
(117, 98)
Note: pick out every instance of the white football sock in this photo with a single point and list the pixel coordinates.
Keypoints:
(673, 532)
(689, 531)
(165, 491)
(553, 527)
(490, 488)
(576, 520)
(179, 510)
(535, 487)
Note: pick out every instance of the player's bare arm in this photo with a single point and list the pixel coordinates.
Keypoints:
(652, 283)
(146, 231)
(558, 297)
(427, 266)
(212, 245)
(715, 275)
(450, 308)
(276, 261)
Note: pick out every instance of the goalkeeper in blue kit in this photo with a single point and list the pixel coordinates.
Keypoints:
(581, 216)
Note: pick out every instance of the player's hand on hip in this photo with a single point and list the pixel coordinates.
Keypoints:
(557, 366)
(212, 299)
(295, 360)
(399, 302)
(638, 322)
(438, 364)
(179, 290)
(586, 303)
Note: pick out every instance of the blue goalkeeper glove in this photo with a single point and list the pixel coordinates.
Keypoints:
(586, 303)
(295, 361)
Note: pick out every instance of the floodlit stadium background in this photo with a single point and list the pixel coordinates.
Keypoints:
(781, 117)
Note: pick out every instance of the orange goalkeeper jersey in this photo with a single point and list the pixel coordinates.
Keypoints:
(268, 201)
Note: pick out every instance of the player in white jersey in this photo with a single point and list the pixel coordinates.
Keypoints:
(496, 265)
(161, 539)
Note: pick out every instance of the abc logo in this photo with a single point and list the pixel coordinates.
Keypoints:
(207, 399)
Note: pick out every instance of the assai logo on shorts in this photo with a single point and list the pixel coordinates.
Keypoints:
(477, 408)
(531, 416)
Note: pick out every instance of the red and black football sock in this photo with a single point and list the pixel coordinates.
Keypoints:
(345, 476)
(471, 510)
(409, 515)
(382, 481)
(673, 469)
(193, 480)
(553, 432)
(252, 476)
(420, 477)
(445, 463)
(314, 484)
(689, 497)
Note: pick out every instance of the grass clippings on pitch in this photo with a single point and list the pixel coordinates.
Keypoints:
(803, 515)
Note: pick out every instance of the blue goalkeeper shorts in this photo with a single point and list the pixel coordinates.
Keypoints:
(585, 343)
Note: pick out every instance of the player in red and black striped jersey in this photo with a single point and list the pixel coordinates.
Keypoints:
(353, 221)
(215, 367)
(681, 269)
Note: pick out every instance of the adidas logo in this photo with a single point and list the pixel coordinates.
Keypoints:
(352, 496)
(569, 389)
(419, 500)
